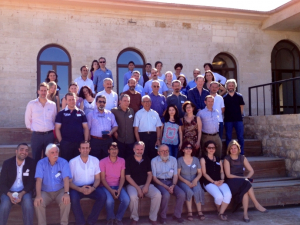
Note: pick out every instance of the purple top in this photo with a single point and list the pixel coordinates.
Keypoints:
(158, 103)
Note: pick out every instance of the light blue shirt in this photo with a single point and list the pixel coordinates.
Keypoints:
(128, 75)
(52, 176)
(191, 85)
(210, 120)
(146, 121)
(175, 78)
(148, 89)
(138, 88)
(164, 170)
(99, 76)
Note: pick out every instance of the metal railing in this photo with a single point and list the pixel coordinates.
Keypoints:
(277, 107)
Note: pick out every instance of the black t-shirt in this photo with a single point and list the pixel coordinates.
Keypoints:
(138, 170)
(71, 124)
(232, 107)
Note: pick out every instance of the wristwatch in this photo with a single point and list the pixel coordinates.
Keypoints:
(67, 192)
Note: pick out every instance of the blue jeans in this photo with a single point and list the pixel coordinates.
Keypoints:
(221, 128)
(173, 150)
(27, 209)
(98, 195)
(239, 128)
(110, 203)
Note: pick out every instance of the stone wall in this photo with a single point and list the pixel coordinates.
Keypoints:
(280, 135)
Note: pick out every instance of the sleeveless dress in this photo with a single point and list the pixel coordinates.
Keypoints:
(190, 132)
(238, 186)
(213, 169)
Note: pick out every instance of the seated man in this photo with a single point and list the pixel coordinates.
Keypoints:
(52, 183)
(113, 178)
(164, 170)
(85, 184)
(16, 184)
(139, 176)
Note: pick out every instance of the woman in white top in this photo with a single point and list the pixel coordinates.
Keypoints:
(88, 97)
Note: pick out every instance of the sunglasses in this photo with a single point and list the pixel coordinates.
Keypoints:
(188, 147)
(102, 102)
(101, 61)
(213, 148)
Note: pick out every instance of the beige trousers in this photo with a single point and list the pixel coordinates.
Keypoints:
(153, 193)
(48, 197)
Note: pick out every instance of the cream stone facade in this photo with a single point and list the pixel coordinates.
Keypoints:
(169, 33)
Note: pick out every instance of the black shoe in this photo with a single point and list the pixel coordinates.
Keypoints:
(162, 220)
(179, 220)
(110, 222)
(117, 222)
(246, 220)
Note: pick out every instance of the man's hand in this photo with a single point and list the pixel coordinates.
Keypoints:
(66, 199)
(171, 189)
(12, 199)
(157, 143)
(145, 189)
(87, 189)
(140, 192)
(38, 201)
(114, 193)
(197, 145)
(116, 135)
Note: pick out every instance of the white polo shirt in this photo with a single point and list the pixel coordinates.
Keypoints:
(18, 184)
(111, 99)
(81, 82)
(84, 173)
(218, 105)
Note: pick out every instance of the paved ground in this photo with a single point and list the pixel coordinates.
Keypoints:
(275, 216)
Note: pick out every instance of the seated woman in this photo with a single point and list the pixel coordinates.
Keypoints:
(73, 88)
(189, 173)
(182, 79)
(88, 97)
(213, 178)
(52, 94)
(239, 184)
(208, 78)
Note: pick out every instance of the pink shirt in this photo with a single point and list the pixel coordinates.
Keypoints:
(112, 170)
(39, 118)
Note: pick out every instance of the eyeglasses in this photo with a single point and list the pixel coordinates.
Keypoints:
(164, 151)
(102, 62)
(188, 147)
(147, 101)
(102, 102)
(115, 148)
(156, 86)
(213, 148)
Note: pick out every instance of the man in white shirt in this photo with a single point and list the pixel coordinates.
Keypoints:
(85, 183)
(83, 80)
(111, 96)
(218, 104)
(218, 77)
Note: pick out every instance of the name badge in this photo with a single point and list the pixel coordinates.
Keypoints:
(218, 163)
(78, 114)
(162, 102)
(182, 101)
(107, 73)
(67, 114)
(57, 175)
(27, 171)
(171, 170)
(25, 174)
(130, 116)
(193, 166)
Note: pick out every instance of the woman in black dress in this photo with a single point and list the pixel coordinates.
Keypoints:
(239, 184)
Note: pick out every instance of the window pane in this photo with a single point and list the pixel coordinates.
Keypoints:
(284, 60)
(128, 56)
(54, 54)
(63, 80)
(44, 71)
(121, 72)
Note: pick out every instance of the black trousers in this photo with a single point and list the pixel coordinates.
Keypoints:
(149, 139)
(125, 150)
(39, 143)
(69, 150)
(99, 148)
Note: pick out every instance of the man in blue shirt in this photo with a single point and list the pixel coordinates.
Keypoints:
(148, 88)
(192, 83)
(101, 74)
(197, 94)
(158, 101)
(136, 75)
(128, 75)
(52, 183)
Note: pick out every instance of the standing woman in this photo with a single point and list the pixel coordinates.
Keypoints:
(88, 97)
(171, 129)
(213, 178)
(208, 78)
(158, 66)
(52, 76)
(168, 80)
(192, 126)
(182, 79)
(239, 184)
(73, 88)
(189, 173)
(94, 67)
(52, 94)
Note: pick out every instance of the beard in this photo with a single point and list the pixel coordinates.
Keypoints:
(101, 108)
(164, 158)
(131, 88)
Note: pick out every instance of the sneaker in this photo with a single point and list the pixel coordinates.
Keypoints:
(179, 220)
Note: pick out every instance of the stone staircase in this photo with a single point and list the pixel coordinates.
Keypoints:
(271, 185)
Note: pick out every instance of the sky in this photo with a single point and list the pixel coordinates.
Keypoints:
(256, 5)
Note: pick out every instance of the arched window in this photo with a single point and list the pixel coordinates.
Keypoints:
(225, 65)
(54, 57)
(285, 63)
(124, 57)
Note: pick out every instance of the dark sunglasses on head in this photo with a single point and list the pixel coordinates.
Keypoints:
(102, 102)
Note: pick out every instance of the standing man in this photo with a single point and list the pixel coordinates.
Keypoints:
(233, 114)
(147, 74)
(128, 75)
(71, 128)
(39, 118)
(85, 184)
(136, 97)
(218, 77)
(176, 98)
(148, 85)
(111, 96)
(16, 185)
(164, 171)
(83, 80)
(139, 175)
(158, 101)
(192, 83)
(197, 94)
(113, 179)
(136, 75)
(102, 125)
(100, 74)
(218, 104)
(52, 184)
(125, 134)
(210, 125)
(147, 127)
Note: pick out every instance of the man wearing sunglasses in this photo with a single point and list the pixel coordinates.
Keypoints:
(101, 74)
(158, 101)
(102, 125)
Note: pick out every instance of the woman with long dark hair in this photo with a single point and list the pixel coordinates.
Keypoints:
(52, 76)
(88, 97)
(208, 78)
(182, 79)
(95, 65)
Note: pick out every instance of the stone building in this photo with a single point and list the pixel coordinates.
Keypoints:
(38, 35)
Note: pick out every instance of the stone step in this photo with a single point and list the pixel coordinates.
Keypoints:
(252, 147)
(10, 136)
(277, 193)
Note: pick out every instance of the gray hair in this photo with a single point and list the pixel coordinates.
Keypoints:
(155, 81)
(231, 81)
(136, 71)
(108, 79)
(162, 145)
(124, 96)
(200, 76)
(214, 82)
(154, 69)
(139, 143)
(131, 79)
(100, 96)
(176, 81)
(49, 147)
(146, 96)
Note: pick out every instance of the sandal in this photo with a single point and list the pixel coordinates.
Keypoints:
(223, 217)
(201, 217)
(190, 216)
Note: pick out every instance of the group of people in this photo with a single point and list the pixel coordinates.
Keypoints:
(161, 136)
